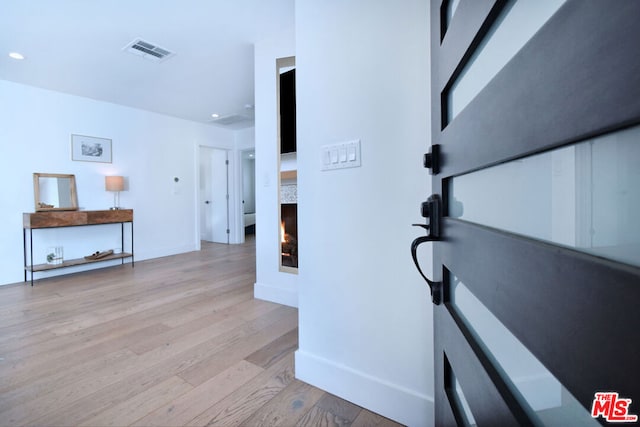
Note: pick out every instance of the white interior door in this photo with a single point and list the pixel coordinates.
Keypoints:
(214, 195)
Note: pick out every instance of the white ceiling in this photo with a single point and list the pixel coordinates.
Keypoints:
(76, 47)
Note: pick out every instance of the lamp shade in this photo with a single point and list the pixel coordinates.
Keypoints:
(113, 183)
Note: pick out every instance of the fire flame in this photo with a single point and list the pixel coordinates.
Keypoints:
(282, 234)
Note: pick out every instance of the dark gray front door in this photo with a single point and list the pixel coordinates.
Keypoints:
(539, 182)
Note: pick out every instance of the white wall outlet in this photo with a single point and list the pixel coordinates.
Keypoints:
(341, 155)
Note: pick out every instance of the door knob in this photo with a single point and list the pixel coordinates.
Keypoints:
(207, 202)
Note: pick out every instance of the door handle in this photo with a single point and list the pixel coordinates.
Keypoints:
(207, 202)
(434, 287)
(431, 209)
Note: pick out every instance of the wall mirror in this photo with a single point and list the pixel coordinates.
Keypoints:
(55, 192)
(288, 164)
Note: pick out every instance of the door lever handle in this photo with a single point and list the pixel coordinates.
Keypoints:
(425, 226)
(434, 287)
(430, 209)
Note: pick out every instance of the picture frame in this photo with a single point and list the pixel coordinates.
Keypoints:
(90, 149)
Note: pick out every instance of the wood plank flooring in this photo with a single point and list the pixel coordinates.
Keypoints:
(175, 341)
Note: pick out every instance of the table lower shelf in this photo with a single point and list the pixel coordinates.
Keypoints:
(74, 262)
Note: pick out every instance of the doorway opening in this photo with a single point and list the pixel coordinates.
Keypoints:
(249, 193)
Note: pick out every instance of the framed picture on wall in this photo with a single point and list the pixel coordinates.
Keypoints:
(90, 149)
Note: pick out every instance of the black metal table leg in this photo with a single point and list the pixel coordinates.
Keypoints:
(122, 240)
(24, 250)
(132, 251)
(31, 250)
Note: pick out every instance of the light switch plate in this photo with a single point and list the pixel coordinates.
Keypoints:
(340, 155)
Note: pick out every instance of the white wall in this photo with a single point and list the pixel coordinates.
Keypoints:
(365, 314)
(271, 284)
(148, 149)
(245, 139)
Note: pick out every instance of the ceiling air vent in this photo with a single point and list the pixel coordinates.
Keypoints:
(233, 119)
(148, 50)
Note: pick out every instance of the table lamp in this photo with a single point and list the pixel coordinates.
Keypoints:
(115, 184)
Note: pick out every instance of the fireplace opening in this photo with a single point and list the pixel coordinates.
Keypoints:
(289, 234)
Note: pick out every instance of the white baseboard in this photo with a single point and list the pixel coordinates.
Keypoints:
(392, 401)
(275, 294)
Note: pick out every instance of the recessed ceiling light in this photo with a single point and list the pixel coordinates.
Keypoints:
(16, 55)
(215, 116)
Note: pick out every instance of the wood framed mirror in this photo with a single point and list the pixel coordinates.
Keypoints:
(55, 192)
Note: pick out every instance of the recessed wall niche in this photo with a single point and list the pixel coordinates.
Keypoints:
(287, 165)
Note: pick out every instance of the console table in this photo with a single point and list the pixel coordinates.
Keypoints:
(56, 219)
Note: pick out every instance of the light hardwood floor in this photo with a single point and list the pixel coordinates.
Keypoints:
(175, 341)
